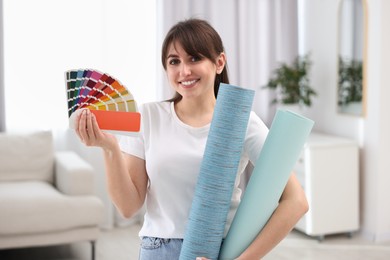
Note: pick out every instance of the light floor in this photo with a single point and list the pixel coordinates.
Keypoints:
(123, 243)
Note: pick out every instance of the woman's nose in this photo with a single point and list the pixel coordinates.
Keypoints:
(185, 69)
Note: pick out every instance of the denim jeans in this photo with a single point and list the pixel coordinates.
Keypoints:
(154, 248)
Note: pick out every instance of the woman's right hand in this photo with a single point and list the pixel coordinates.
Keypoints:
(87, 129)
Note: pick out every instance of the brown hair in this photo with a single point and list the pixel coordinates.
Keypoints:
(198, 38)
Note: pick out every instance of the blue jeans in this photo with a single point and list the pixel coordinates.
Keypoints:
(154, 248)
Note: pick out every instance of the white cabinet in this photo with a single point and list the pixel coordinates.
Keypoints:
(328, 170)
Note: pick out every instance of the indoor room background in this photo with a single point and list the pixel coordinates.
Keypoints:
(42, 39)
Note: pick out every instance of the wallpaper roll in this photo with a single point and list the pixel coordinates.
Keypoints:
(214, 188)
(281, 150)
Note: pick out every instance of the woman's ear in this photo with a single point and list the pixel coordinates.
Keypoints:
(220, 62)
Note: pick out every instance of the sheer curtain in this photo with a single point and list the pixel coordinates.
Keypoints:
(257, 34)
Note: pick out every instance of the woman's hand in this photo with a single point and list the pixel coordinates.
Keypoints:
(87, 129)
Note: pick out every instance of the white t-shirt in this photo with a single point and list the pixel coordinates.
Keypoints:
(173, 153)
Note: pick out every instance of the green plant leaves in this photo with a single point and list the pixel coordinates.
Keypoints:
(350, 84)
(291, 82)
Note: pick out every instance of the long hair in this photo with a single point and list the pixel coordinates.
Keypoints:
(198, 38)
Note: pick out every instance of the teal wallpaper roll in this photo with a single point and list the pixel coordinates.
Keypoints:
(218, 170)
(281, 150)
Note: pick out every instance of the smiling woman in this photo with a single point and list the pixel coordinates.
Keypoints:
(41, 42)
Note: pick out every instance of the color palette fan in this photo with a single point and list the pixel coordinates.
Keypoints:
(109, 100)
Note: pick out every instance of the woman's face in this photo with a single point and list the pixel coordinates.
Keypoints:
(192, 77)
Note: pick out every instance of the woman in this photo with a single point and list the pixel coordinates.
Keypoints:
(160, 167)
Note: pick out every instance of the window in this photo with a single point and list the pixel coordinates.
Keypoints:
(44, 38)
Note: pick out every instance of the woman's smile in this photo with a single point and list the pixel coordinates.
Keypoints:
(188, 83)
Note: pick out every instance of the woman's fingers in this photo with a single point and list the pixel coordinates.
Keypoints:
(82, 129)
(89, 132)
(90, 128)
(95, 126)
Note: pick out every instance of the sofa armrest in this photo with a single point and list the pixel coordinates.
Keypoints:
(73, 175)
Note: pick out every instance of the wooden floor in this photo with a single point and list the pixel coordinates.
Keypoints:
(123, 244)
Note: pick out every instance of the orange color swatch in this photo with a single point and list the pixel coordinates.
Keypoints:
(117, 120)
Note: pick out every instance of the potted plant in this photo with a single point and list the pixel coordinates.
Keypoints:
(291, 83)
(350, 81)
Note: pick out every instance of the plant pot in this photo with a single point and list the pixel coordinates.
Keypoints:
(352, 108)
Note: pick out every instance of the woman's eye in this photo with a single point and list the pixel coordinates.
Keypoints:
(173, 61)
(195, 59)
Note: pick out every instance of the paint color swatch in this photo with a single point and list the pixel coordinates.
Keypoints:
(109, 100)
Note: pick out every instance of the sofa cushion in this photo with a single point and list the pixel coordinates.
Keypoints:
(27, 156)
(26, 205)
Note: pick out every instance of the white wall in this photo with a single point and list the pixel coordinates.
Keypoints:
(372, 131)
(321, 28)
(377, 128)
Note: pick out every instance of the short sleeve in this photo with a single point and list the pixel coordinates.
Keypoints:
(132, 145)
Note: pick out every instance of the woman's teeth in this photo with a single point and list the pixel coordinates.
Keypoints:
(187, 83)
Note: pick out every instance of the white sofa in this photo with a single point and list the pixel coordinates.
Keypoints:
(46, 197)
